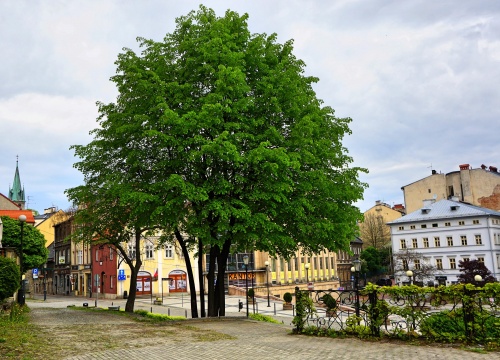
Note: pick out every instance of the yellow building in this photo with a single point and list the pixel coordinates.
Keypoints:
(373, 230)
(479, 187)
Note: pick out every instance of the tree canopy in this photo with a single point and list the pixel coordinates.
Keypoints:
(470, 268)
(217, 135)
(34, 251)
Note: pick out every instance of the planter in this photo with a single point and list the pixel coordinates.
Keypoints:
(287, 306)
(331, 313)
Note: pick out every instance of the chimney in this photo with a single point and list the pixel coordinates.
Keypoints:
(493, 168)
(464, 167)
(434, 172)
(429, 202)
(483, 167)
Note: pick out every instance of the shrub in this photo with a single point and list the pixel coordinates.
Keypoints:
(251, 293)
(265, 318)
(287, 297)
(9, 278)
(329, 301)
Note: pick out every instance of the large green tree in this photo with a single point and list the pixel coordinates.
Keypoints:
(217, 135)
(34, 251)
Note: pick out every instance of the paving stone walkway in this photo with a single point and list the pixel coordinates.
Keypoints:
(251, 340)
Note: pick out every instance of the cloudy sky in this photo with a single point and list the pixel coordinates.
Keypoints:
(420, 79)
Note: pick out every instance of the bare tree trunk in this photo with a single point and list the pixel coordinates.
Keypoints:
(214, 252)
(189, 268)
(201, 278)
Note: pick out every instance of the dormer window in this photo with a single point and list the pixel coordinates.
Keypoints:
(454, 207)
(425, 210)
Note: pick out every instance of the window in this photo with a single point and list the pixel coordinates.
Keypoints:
(320, 263)
(403, 243)
(449, 240)
(453, 263)
(79, 261)
(497, 238)
(480, 259)
(417, 264)
(423, 226)
(149, 250)
(475, 222)
(111, 281)
(405, 264)
(463, 239)
(437, 241)
(169, 251)
(478, 240)
(434, 225)
(111, 251)
(461, 222)
(401, 228)
(415, 243)
(131, 250)
(439, 264)
(332, 264)
(426, 242)
(412, 227)
(97, 256)
(447, 224)
(465, 259)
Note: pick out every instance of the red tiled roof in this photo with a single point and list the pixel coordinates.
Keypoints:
(14, 214)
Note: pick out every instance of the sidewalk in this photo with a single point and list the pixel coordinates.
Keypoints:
(248, 339)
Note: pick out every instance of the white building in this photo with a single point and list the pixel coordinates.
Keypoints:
(446, 232)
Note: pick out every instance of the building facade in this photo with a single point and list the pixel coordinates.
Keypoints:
(446, 232)
(479, 187)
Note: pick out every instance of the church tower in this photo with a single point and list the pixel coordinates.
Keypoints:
(16, 193)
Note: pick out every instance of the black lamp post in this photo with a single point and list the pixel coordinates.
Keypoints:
(267, 280)
(245, 261)
(21, 295)
(356, 270)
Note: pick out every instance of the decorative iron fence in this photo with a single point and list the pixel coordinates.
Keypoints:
(455, 313)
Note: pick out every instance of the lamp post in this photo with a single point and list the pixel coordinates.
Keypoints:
(267, 280)
(20, 295)
(307, 272)
(478, 278)
(245, 261)
(356, 268)
(409, 273)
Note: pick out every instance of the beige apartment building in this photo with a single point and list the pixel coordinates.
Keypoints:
(480, 187)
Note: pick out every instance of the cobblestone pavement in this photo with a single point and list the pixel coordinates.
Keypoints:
(255, 340)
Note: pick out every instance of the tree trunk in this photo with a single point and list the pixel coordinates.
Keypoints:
(214, 252)
(221, 274)
(189, 268)
(201, 278)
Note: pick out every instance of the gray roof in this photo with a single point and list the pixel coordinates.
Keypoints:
(443, 209)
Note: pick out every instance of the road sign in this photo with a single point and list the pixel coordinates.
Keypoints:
(35, 273)
(121, 274)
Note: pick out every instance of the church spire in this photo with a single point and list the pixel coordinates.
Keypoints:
(16, 193)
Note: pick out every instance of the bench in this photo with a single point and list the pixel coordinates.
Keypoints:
(114, 308)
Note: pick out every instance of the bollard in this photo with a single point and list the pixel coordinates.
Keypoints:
(96, 303)
(293, 310)
(186, 313)
(257, 306)
(274, 308)
(151, 309)
(168, 312)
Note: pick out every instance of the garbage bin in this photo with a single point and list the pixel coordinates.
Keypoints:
(125, 294)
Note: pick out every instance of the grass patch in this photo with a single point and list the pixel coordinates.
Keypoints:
(265, 318)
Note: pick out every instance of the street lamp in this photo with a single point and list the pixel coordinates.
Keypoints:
(478, 278)
(307, 272)
(409, 273)
(245, 261)
(267, 280)
(356, 269)
(21, 295)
